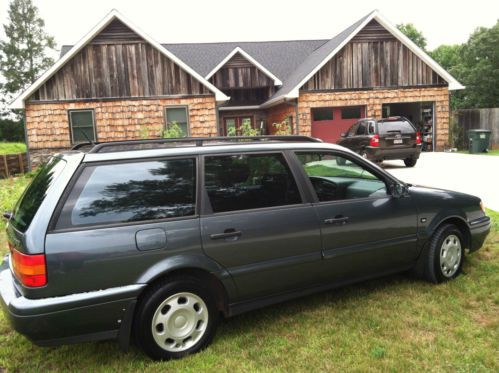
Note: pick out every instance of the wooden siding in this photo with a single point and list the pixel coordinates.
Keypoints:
(373, 59)
(238, 72)
(115, 64)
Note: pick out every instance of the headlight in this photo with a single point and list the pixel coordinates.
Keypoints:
(482, 207)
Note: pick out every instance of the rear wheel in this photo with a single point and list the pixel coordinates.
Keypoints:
(176, 318)
(443, 255)
(410, 162)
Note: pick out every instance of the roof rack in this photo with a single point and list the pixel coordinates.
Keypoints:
(117, 146)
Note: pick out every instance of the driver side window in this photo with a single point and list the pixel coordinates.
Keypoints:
(336, 178)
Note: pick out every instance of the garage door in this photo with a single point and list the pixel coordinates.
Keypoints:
(329, 122)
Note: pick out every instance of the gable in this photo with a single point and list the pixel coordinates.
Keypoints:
(239, 72)
(118, 63)
(374, 58)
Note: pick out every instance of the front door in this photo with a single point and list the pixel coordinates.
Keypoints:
(365, 230)
(233, 126)
(258, 225)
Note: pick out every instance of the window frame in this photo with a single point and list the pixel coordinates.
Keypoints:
(322, 108)
(70, 122)
(206, 208)
(311, 190)
(78, 182)
(188, 123)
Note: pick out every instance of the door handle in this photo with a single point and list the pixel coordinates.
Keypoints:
(338, 220)
(228, 233)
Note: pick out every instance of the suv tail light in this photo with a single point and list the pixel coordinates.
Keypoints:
(418, 138)
(29, 269)
(374, 141)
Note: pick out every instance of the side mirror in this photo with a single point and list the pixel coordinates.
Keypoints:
(344, 134)
(398, 190)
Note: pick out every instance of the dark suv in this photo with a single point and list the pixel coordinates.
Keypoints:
(158, 239)
(383, 139)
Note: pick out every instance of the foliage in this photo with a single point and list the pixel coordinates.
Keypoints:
(391, 324)
(23, 54)
(144, 132)
(455, 133)
(244, 130)
(11, 130)
(447, 56)
(282, 128)
(12, 147)
(409, 30)
(173, 131)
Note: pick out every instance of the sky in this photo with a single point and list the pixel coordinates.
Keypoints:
(442, 22)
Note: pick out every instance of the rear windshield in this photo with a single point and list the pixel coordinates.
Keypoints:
(385, 128)
(36, 192)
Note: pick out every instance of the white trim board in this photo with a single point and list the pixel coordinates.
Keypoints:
(18, 103)
(276, 80)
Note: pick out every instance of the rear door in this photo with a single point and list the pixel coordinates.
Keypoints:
(396, 134)
(258, 224)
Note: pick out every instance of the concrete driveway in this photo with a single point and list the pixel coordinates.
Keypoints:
(473, 174)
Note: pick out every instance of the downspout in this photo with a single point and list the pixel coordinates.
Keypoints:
(26, 139)
(295, 104)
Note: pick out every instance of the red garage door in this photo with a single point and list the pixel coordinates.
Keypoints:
(329, 122)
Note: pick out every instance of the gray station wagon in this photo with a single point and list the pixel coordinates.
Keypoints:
(159, 239)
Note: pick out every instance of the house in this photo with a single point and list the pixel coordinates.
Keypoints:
(118, 83)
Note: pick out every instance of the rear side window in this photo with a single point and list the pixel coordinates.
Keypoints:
(128, 192)
(34, 195)
(242, 182)
(401, 126)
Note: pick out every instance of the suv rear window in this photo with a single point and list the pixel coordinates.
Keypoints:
(36, 192)
(127, 192)
(400, 126)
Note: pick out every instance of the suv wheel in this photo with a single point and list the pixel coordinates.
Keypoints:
(176, 318)
(443, 256)
(410, 162)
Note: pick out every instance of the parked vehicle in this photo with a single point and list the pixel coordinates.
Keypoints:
(383, 139)
(163, 237)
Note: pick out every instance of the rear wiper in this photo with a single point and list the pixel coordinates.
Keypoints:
(7, 215)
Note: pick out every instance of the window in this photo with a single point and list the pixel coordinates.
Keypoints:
(371, 127)
(335, 177)
(32, 199)
(353, 130)
(128, 192)
(177, 116)
(242, 182)
(322, 114)
(362, 129)
(401, 126)
(82, 125)
(352, 112)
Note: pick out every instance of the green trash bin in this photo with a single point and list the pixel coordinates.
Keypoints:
(479, 140)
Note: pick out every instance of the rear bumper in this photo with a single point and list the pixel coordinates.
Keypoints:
(479, 229)
(67, 319)
(380, 154)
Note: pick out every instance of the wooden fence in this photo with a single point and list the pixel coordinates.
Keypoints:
(12, 164)
(467, 119)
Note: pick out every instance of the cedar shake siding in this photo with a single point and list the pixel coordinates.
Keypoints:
(373, 58)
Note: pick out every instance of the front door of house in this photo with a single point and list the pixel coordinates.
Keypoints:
(233, 125)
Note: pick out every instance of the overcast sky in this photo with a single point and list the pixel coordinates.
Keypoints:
(442, 22)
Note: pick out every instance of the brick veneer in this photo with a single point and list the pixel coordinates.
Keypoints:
(48, 127)
(374, 100)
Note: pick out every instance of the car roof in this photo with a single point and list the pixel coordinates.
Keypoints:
(214, 148)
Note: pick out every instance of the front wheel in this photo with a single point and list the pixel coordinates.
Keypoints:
(410, 162)
(443, 256)
(176, 318)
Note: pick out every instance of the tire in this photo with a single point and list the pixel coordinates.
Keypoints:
(443, 255)
(410, 162)
(164, 334)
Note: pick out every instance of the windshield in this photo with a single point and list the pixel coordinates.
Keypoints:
(36, 192)
(386, 128)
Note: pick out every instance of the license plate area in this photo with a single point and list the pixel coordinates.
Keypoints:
(398, 141)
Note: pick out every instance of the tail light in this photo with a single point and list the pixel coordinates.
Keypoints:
(418, 138)
(374, 141)
(29, 269)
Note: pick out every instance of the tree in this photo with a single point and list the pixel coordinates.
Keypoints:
(23, 54)
(409, 30)
(448, 56)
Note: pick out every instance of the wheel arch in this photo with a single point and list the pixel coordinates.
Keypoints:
(460, 223)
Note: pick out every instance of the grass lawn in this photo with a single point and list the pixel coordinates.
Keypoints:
(394, 324)
(490, 152)
(12, 147)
